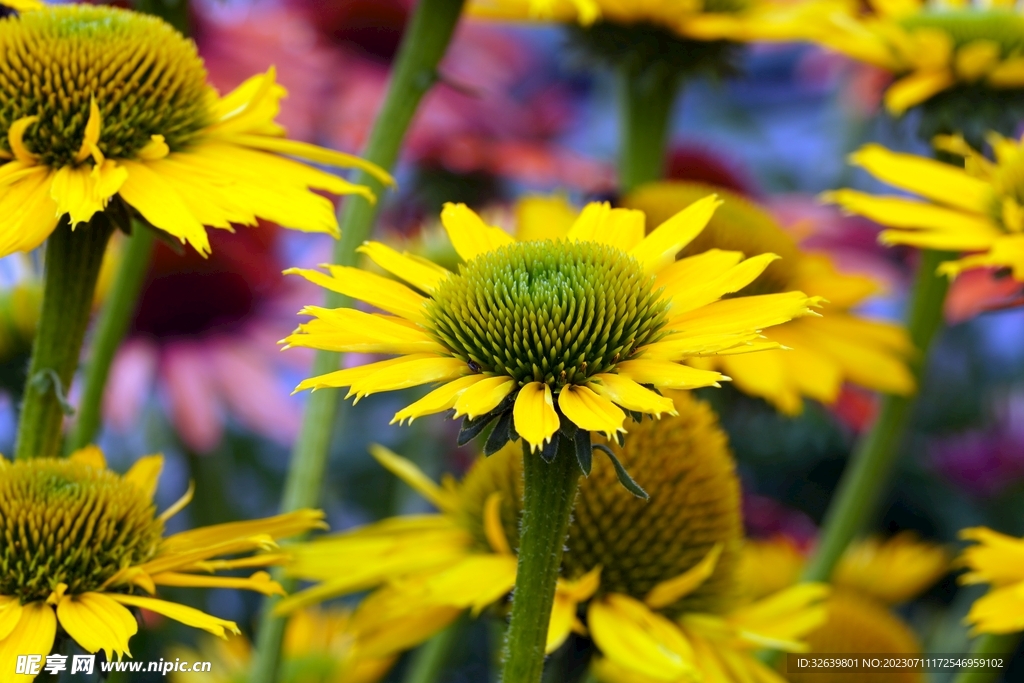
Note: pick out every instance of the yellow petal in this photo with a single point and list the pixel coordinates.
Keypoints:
(493, 528)
(91, 456)
(590, 411)
(419, 272)
(997, 558)
(470, 236)
(97, 623)
(145, 473)
(668, 375)
(976, 58)
(534, 414)
(692, 294)
(161, 205)
(704, 266)
(914, 89)
(202, 539)
(639, 640)
(483, 396)
(631, 395)
(439, 400)
(14, 138)
(476, 582)
(27, 213)
(568, 596)
(376, 290)
(91, 138)
(392, 620)
(660, 248)
(82, 192)
(185, 615)
(1000, 611)
(407, 471)
(319, 155)
(935, 180)
(544, 218)
(416, 371)
(1008, 74)
(743, 314)
(782, 619)
(10, 614)
(33, 635)
(260, 582)
(348, 330)
(155, 149)
(671, 590)
(620, 228)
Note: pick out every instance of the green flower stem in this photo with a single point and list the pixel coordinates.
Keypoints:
(989, 645)
(866, 476)
(71, 268)
(415, 70)
(549, 493)
(646, 97)
(110, 330)
(430, 659)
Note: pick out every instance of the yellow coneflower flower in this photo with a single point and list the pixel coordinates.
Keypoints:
(657, 580)
(931, 46)
(871, 576)
(821, 353)
(996, 559)
(108, 110)
(318, 645)
(19, 6)
(81, 541)
(978, 209)
(581, 319)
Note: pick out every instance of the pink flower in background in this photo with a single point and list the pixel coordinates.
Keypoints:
(768, 518)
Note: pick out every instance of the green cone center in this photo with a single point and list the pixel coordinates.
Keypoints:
(553, 312)
(147, 79)
(66, 522)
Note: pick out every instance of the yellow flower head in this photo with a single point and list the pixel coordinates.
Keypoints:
(976, 209)
(317, 642)
(560, 334)
(85, 546)
(871, 575)
(106, 110)
(657, 579)
(821, 353)
(998, 560)
(932, 47)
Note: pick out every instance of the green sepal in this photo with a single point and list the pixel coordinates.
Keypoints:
(620, 471)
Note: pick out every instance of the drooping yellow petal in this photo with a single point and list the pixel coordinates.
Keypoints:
(631, 395)
(276, 527)
(419, 272)
(407, 471)
(568, 596)
(534, 414)
(642, 641)
(476, 582)
(82, 192)
(393, 619)
(33, 635)
(260, 582)
(91, 138)
(97, 623)
(996, 558)
(470, 236)
(484, 396)
(493, 528)
(186, 615)
(668, 375)
(319, 155)
(10, 614)
(935, 180)
(439, 400)
(161, 205)
(145, 473)
(914, 89)
(781, 620)
(1007, 74)
(91, 455)
(28, 215)
(674, 589)
(1001, 610)
(590, 411)
(376, 290)
(15, 135)
(660, 248)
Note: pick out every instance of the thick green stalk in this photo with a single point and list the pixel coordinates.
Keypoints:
(110, 330)
(871, 464)
(429, 661)
(989, 645)
(549, 493)
(415, 70)
(646, 97)
(71, 268)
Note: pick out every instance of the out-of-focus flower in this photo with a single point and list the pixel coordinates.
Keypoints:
(930, 46)
(998, 560)
(821, 353)
(90, 539)
(148, 135)
(535, 345)
(983, 462)
(656, 579)
(203, 340)
(977, 209)
(871, 576)
(318, 646)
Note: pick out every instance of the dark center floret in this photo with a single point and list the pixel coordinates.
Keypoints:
(147, 80)
(66, 522)
(554, 312)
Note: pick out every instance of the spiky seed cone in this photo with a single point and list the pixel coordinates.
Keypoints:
(145, 77)
(685, 465)
(66, 522)
(552, 312)
(859, 625)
